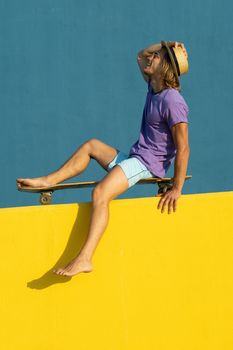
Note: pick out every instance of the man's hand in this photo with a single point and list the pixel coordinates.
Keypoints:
(169, 199)
(178, 44)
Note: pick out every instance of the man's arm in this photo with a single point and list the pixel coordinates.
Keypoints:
(143, 55)
(180, 137)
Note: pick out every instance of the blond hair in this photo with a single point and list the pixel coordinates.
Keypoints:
(167, 74)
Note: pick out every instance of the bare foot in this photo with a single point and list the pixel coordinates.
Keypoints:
(34, 182)
(76, 266)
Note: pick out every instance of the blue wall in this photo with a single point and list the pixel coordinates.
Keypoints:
(69, 73)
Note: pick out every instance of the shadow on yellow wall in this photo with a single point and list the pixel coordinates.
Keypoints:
(159, 281)
(75, 242)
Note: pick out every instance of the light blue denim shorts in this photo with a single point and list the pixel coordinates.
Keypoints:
(132, 167)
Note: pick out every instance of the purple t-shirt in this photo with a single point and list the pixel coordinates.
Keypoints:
(155, 147)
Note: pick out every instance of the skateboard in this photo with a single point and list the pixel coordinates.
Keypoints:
(164, 184)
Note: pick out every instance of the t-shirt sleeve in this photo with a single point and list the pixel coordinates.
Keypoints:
(175, 112)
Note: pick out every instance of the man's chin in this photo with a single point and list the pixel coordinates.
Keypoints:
(148, 74)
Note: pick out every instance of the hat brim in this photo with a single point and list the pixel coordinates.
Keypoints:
(171, 56)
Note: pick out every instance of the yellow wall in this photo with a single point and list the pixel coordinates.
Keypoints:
(159, 282)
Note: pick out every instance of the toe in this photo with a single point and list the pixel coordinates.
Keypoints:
(68, 274)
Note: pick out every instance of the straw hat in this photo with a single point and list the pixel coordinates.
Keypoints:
(178, 59)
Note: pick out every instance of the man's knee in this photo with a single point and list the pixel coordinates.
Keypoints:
(93, 145)
(99, 196)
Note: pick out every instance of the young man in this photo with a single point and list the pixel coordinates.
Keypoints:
(163, 138)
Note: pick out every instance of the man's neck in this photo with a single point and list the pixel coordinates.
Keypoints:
(156, 85)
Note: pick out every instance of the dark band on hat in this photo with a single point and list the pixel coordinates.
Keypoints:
(173, 59)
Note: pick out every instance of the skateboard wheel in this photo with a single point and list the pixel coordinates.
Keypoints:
(45, 198)
(164, 187)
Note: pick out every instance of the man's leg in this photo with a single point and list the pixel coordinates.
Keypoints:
(76, 164)
(111, 186)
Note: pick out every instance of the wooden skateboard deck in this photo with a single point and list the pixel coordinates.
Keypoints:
(164, 184)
